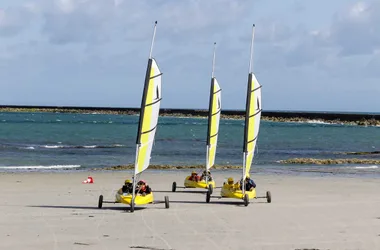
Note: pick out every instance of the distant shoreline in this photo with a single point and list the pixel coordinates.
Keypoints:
(361, 119)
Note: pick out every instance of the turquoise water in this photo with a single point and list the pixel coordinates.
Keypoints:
(54, 140)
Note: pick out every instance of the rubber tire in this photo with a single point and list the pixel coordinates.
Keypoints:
(132, 207)
(269, 197)
(100, 203)
(208, 196)
(166, 201)
(210, 189)
(174, 186)
(246, 200)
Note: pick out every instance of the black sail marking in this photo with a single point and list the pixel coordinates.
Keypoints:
(155, 76)
(217, 112)
(255, 114)
(150, 130)
(152, 103)
(258, 104)
(217, 91)
(252, 140)
(158, 93)
(213, 135)
(256, 88)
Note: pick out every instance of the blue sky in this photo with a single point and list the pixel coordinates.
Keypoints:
(308, 55)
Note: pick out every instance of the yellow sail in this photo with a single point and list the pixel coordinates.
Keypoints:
(213, 122)
(150, 108)
(252, 120)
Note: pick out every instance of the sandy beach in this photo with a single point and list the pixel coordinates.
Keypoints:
(57, 211)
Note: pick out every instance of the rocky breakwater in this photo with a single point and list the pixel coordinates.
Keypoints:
(168, 167)
(273, 116)
(312, 161)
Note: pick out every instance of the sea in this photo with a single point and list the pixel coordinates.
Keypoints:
(79, 142)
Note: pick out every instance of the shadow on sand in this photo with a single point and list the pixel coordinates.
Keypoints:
(218, 200)
(182, 192)
(119, 208)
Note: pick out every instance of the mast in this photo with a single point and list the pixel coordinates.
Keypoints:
(247, 110)
(138, 142)
(213, 61)
(211, 100)
(251, 50)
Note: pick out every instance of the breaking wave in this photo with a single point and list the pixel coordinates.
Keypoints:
(40, 167)
(81, 146)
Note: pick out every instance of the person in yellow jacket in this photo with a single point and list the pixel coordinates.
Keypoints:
(231, 185)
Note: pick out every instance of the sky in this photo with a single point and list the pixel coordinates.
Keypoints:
(308, 55)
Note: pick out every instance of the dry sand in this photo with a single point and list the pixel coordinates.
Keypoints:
(56, 211)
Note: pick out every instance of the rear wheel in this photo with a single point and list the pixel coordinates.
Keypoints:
(174, 186)
(132, 207)
(246, 200)
(100, 203)
(208, 196)
(269, 197)
(210, 189)
(166, 201)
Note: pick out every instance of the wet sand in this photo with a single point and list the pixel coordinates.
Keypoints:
(57, 211)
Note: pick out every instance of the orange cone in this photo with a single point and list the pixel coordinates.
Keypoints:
(89, 180)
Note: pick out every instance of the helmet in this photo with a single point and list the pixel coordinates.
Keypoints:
(230, 180)
(142, 181)
(193, 172)
(127, 181)
(247, 176)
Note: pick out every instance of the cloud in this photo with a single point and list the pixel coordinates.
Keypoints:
(355, 30)
(78, 50)
(85, 21)
(14, 20)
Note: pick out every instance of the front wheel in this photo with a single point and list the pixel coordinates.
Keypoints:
(208, 196)
(100, 202)
(269, 197)
(174, 186)
(246, 200)
(166, 201)
(210, 189)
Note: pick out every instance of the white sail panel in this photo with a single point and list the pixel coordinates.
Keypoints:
(149, 119)
(253, 122)
(214, 113)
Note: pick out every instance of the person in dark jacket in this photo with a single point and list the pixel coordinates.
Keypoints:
(127, 187)
(249, 183)
(206, 175)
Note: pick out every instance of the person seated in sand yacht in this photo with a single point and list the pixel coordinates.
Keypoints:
(127, 187)
(143, 188)
(231, 185)
(249, 183)
(194, 177)
(206, 175)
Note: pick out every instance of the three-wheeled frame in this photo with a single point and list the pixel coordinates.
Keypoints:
(227, 192)
(209, 185)
(139, 200)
